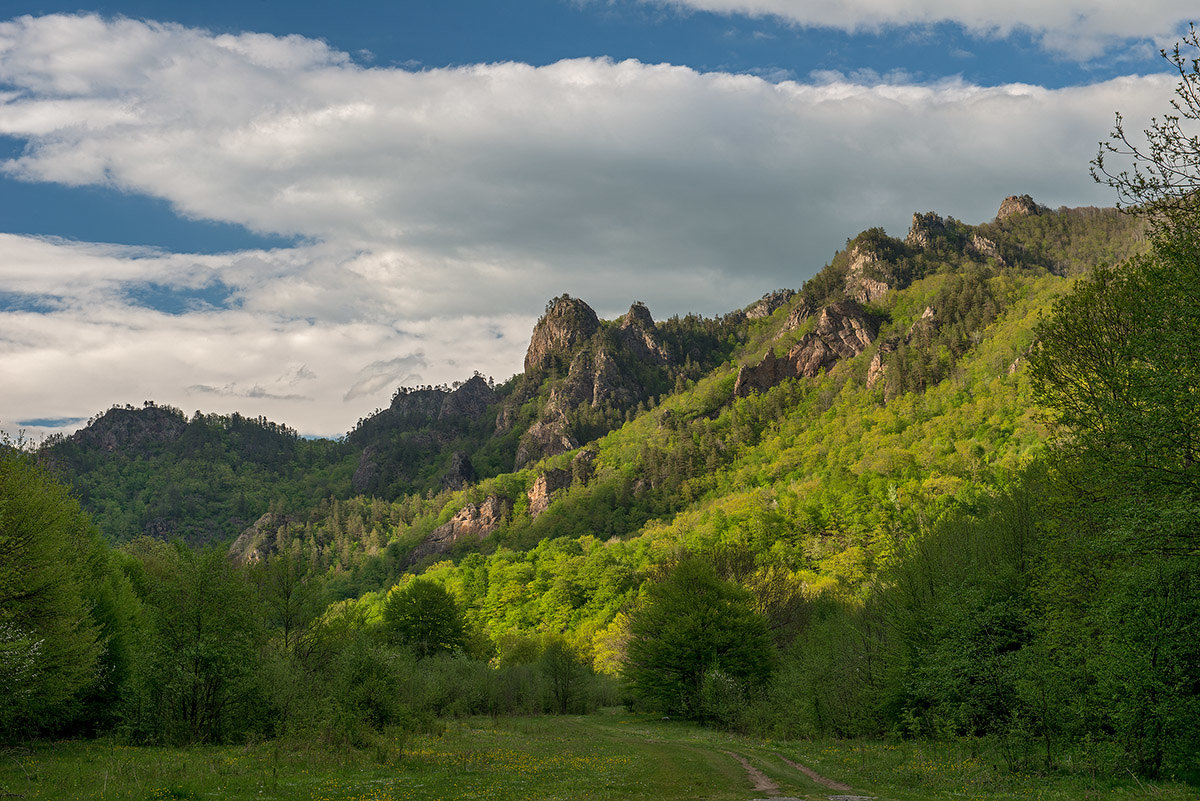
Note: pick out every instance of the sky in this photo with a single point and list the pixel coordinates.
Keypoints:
(290, 209)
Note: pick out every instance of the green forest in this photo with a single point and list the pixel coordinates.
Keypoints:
(979, 529)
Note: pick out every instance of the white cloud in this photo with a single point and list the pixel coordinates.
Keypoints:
(442, 208)
(1078, 29)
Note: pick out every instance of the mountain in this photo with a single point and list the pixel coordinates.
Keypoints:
(888, 321)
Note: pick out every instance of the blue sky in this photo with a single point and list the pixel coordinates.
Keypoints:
(291, 208)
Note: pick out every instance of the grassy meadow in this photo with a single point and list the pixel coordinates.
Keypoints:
(611, 755)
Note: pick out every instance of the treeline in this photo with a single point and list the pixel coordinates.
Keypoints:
(163, 643)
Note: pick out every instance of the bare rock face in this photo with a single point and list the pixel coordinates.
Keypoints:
(367, 470)
(797, 316)
(987, 248)
(760, 377)
(567, 323)
(1015, 205)
(473, 521)
(459, 473)
(926, 323)
(769, 302)
(925, 229)
(543, 490)
(843, 331)
(859, 285)
(547, 437)
(253, 544)
(471, 399)
(639, 334)
(132, 429)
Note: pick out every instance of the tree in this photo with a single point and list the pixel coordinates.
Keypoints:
(196, 680)
(1165, 175)
(50, 647)
(691, 623)
(423, 615)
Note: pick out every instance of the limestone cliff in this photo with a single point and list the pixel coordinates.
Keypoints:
(843, 330)
(473, 522)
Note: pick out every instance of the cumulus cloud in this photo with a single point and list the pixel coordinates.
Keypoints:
(1077, 29)
(440, 209)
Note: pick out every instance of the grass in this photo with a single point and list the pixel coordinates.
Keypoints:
(600, 757)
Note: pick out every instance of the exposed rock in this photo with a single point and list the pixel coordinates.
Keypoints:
(459, 473)
(471, 399)
(132, 429)
(567, 323)
(875, 369)
(253, 544)
(640, 335)
(797, 316)
(473, 521)
(367, 470)
(544, 438)
(987, 248)
(925, 229)
(769, 302)
(859, 285)
(1015, 205)
(843, 331)
(760, 377)
(543, 489)
(415, 406)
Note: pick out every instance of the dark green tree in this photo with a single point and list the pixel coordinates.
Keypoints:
(196, 680)
(688, 624)
(423, 616)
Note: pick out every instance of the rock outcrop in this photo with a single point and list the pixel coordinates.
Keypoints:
(470, 399)
(130, 429)
(925, 230)
(859, 285)
(1016, 205)
(766, 306)
(459, 473)
(842, 331)
(257, 541)
(543, 490)
(567, 323)
(986, 248)
(597, 366)
(473, 522)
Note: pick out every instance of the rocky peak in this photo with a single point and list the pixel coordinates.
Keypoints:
(470, 399)
(1017, 205)
(567, 323)
(639, 335)
(925, 229)
(766, 306)
(131, 429)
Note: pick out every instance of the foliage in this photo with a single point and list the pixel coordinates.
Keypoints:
(1166, 167)
(424, 617)
(50, 646)
(692, 625)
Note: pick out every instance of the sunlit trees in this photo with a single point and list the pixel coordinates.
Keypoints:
(50, 647)
(423, 616)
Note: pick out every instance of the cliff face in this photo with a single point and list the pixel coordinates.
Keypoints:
(843, 330)
(472, 523)
(605, 367)
(567, 323)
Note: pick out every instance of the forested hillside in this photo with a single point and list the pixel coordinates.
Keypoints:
(890, 502)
